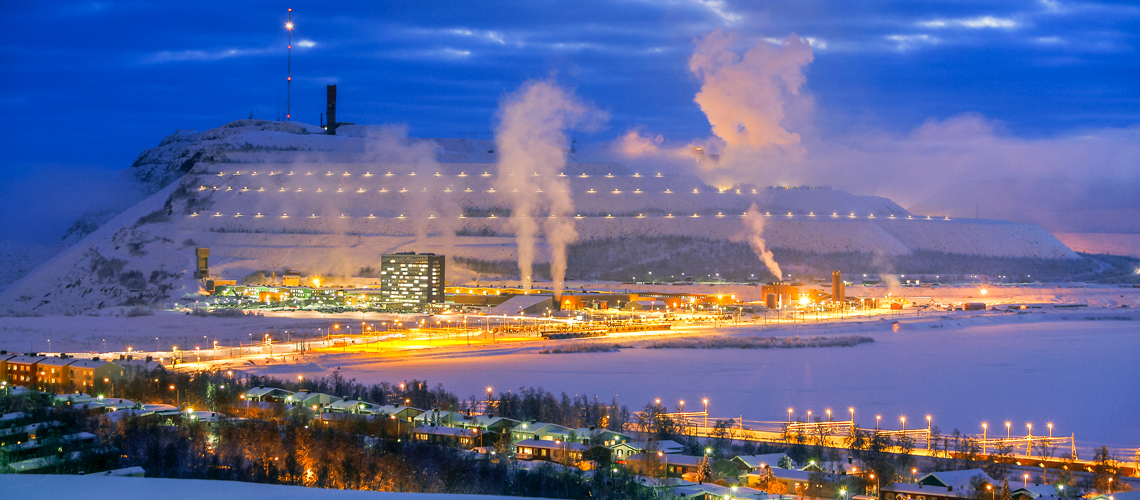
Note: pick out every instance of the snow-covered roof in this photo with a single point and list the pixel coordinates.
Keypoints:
(89, 363)
(716, 490)
(444, 431)
(16, 415)
(667, 446)
(60, 362)
(551, 445)
(757, 461)
(25, 359)
(258, 392)
(1037, 491)
(958, 479)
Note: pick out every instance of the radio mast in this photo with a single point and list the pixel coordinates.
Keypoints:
(289, 73)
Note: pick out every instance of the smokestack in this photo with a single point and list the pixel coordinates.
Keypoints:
(330, 112)
(838, 293)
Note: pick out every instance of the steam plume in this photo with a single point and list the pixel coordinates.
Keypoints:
(754, 221)
(531, 141)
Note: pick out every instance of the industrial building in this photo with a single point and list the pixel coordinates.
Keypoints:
(409, 279)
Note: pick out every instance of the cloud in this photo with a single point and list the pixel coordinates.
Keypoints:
(958, 166)
(982, 22)
(963, 163)
(720, 8)
(907, 42)
(306, 43)
(168, 56)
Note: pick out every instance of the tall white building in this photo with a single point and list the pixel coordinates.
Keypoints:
(409, 279)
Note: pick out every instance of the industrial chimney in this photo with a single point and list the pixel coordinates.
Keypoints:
(331, 110)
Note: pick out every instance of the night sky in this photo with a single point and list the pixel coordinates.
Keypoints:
(88, 85)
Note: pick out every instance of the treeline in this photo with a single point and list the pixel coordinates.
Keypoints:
(530, 404)
(342, 455)
(667, 257)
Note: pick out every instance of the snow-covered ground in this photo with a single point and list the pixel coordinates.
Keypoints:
(95, 487)
(1080, 374)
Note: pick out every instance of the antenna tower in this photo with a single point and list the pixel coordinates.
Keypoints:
(289, 74)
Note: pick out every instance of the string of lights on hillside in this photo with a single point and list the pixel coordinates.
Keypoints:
(789, 215)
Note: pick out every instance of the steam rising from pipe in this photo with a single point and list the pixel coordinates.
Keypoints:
(754, 221)
(531, 142)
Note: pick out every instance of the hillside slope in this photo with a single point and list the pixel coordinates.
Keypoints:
(269, 195)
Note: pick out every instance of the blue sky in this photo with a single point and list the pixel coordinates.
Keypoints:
(88, 85)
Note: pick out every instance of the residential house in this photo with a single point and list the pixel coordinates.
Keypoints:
(23, 369)
(541, 431)
(492, 428)
(625, 449)
(792, 479)
(262, 394)
(677, 465)
(947, 485)
(435, 417)
(353, 406)
(312, 399)
(1042, 491)
(54, 371)
(559, 451)
(599, 437)
(401, 413)
(710, 491)
(959, 480)
(752, 463)
(88, 372)
(452, 436)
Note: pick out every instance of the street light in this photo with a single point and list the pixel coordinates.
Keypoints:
(985, 432)
(789, 415)
(706, 402)
(877, 418)
(903, 419)
(1007, 430)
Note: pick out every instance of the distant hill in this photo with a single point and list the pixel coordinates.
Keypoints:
(271, 195)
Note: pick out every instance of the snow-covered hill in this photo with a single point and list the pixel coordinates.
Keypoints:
(270, 195)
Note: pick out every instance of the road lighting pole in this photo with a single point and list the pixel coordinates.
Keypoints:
(852, 411)
(1029, 440)
(877, 419)
(985, 432)
(706, 401)
(928, 432)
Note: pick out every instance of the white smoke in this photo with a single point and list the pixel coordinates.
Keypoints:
(754, 222)
(531, 142)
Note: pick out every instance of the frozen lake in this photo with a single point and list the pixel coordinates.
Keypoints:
(1081, 375)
